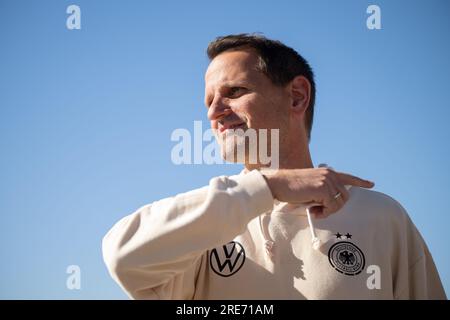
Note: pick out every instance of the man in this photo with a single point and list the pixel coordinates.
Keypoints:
(249, 236)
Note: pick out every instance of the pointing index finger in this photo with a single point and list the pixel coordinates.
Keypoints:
(348, 179)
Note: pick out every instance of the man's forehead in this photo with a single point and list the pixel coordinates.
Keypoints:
(232, 66)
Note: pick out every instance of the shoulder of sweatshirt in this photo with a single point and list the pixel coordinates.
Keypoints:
(375, 205)
(385, 218)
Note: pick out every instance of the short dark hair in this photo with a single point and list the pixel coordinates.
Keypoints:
(280, 63)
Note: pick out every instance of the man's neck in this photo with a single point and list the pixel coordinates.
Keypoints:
(290, 160)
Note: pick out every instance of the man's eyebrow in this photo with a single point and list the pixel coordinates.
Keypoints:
(235, 83)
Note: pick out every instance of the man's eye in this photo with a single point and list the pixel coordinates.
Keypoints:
(234, 91)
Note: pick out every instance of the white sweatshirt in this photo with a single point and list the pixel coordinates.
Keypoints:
(232, 240)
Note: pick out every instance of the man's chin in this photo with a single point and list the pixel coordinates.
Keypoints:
(230, 154)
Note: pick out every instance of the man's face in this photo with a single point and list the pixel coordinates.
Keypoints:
(238, 96)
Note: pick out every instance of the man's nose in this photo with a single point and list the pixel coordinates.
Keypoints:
(218, 109)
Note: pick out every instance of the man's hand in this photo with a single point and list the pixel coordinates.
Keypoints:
(321, 187)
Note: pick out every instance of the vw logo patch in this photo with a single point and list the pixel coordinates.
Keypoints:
(228, 259)
(346, 258)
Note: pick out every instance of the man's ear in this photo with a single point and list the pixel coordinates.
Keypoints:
(300, 90)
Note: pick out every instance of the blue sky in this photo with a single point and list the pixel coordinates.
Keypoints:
(86, 117)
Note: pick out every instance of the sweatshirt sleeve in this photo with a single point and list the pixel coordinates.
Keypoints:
(155, 252)
(424, 282)
(418, 279)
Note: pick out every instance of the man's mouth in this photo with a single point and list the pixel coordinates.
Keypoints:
(224, 128)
